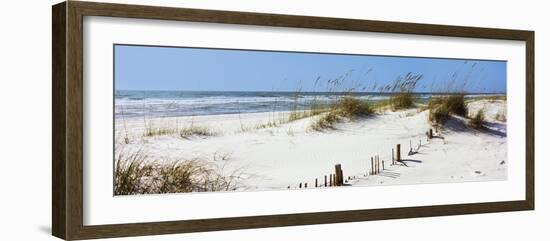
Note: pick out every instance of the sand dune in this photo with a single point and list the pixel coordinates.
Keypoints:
(279, 156)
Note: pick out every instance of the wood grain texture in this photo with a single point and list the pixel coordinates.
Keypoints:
(67, 136)
(530, 120)
(58, 121)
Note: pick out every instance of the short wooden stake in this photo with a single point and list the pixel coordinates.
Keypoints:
(431, 135)
(330, 183)
(325, 180)
(300, 185)
(383, 166)
(339, 176)
(375, 165)
(371, 166)
(305, 185)
(315, 182)
(398, 152)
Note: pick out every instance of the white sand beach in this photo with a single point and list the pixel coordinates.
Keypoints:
(284, 155)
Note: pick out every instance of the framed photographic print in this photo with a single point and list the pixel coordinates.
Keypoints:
(170, 120)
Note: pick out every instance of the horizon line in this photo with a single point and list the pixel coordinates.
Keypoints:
(293, 91)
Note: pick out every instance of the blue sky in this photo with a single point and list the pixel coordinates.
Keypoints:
(196, 69)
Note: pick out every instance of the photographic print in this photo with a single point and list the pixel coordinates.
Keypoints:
(192, 119)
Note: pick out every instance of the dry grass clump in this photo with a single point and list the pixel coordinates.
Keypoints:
(455, 104)
(131, 174)
(185, 132)
(325, 122)
(268, 124)
(478, 120)
(500, 116)
(135, 173)
(402, 91)
(352, 107)
(202, 131)
(442, 107)
(347, 107)
(438, 115)
(404, 100)
(152, 131)
(315, 108)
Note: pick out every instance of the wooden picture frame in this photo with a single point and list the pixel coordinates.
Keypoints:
(67, 120)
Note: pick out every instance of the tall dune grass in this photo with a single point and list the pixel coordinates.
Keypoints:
(478, 120)
(136, 173)
(402, 88)
(442, 107)
(348, 107)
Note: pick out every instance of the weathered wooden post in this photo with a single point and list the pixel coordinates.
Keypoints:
(375, 165)
(305, 185)
(431, 135)
(330, 184)
(300, 185)
(383, 168)
(339, 178)
(325, 180)
(371, 166)
(315, 182)
(398, 152)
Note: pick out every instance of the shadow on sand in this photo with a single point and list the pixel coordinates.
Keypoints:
(459, 124)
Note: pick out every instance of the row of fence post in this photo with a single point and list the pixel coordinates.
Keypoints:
(377, 165)
(334, 179)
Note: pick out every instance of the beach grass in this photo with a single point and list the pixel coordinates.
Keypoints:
(500, 116)
(348, 107)
(403, 100)
(456, 104)
(326, 121)
(477, 120)
(438, 115)
(158, 131)
(201, 131)
(131, 172)
(352, 107)
(442, 107)
(136, 173)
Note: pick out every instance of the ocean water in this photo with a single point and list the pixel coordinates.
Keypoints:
(134, 104)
